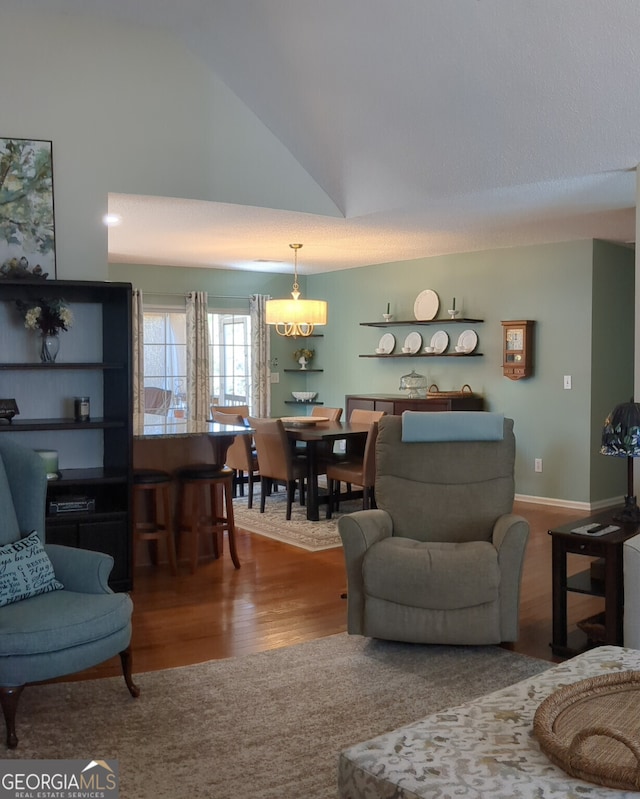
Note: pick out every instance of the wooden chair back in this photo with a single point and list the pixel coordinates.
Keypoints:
(335, 414)
(362, 416)
(240, 410)
(272, 446)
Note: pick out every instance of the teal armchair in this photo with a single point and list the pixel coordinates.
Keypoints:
(61, 631)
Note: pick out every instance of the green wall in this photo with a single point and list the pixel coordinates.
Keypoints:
(580, 294)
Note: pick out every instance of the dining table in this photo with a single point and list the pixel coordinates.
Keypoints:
(314, 432)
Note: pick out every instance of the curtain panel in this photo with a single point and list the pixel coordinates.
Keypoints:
(260, 356)
(198, 388)
(137, 324)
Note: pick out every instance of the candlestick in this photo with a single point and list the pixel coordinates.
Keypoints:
(453, 307)
(388, 305)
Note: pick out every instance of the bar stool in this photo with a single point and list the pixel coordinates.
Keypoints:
(151, 489)
(196, 483)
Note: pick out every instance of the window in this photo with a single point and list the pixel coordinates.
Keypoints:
(230, 358)
(165, 356)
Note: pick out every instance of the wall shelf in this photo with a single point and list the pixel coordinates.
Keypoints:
(60, 366)
(426, 355)
(462, 320)
(302, 371)
(303, 402)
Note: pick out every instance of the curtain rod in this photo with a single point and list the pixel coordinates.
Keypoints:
(185, 293)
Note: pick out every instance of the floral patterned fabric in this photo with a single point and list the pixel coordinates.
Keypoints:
(484, 748)
(198, 388)
(260, 357)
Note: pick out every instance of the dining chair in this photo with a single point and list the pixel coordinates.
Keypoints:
(157, 400)
(354, 471)
(363, 416)
(355, 449)
(234, 410)
(333, 414)
(277, 460)
(240, 455)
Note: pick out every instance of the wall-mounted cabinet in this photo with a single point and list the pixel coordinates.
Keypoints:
(95, 456)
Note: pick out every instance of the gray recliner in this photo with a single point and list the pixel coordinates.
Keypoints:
(61, 631)
(440, 560)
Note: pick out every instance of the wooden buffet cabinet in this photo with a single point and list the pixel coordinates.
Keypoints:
(395, 404)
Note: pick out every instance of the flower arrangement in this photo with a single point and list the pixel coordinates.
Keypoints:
(47, 316)
(303, 353)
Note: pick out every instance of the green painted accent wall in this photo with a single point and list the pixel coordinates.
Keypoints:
(580, 294)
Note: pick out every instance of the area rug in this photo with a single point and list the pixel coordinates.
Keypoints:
(298, 531)
(265, 726)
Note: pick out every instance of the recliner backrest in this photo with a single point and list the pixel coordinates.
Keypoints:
(443, 491)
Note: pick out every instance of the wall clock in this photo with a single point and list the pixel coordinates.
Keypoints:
(517, 349)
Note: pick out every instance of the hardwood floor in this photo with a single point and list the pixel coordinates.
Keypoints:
(283, 595)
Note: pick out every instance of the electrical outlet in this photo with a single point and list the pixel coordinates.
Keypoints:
(567, 381)
(538, 464)
(275, 377)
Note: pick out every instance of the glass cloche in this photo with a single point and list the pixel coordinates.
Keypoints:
(414, 384)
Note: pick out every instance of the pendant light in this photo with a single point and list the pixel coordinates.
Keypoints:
(296, 317)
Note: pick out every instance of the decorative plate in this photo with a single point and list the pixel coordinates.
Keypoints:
(440, 341)
(387, 343)
(469, 340)
(414, 342)
(426, 305)
(303, 421)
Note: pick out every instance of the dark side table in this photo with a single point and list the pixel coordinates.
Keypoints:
(607, 547)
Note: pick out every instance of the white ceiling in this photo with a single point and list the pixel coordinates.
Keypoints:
(435, 126)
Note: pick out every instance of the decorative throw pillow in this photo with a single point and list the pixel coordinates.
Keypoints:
(25, 570)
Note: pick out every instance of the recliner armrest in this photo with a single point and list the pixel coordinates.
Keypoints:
(510, 535)
(359, 531)
(81, 569)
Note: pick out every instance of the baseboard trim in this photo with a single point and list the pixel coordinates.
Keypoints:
(587, 507)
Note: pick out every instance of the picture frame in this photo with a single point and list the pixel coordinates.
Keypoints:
(27, 219)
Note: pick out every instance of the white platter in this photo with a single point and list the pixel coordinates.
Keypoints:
(440, 341)
(468, 339)
(303, 421)
(426, 305)
(387, 343)
(413, 342)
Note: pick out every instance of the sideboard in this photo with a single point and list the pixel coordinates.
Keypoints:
(395, 404)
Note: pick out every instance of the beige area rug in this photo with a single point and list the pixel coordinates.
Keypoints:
(298, 531)
(265, 726)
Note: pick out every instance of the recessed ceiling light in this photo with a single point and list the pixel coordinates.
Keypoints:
(111, 220)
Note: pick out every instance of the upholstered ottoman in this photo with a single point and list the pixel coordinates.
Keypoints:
(484, 748)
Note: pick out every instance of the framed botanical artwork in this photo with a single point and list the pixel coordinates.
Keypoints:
(27, 230)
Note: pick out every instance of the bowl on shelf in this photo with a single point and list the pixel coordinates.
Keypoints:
(304, 396)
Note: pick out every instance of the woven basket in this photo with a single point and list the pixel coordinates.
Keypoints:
(465, 391)
(591, 729)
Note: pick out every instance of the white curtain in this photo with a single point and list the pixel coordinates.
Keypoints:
(137, 325)
(198, 389)
(260, 356)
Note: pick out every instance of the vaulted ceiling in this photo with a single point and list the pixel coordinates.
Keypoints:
(434, 126)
